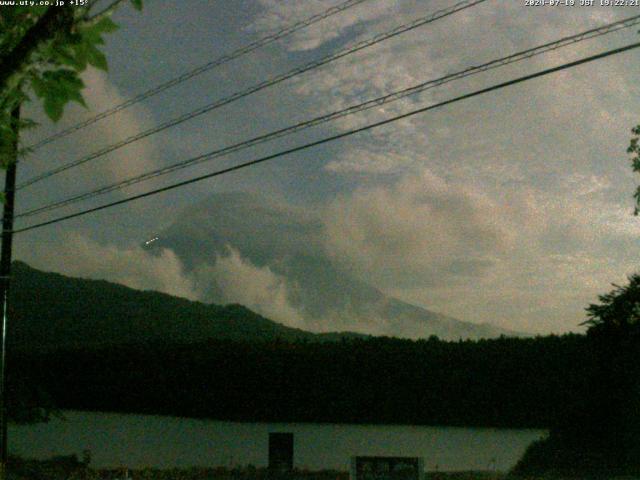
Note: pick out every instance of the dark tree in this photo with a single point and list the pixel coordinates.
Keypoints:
(599, 432)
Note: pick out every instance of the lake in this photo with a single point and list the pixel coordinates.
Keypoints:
(139, 441)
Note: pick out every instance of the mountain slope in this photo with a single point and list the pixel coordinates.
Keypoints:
(287, 242)
(49, 310)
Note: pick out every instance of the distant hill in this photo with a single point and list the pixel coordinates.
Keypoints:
(49, 310)
(287, 241)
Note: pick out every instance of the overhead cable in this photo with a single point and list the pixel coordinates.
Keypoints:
(201, 69)
(332, 138)
(256, 88)
(376, 102)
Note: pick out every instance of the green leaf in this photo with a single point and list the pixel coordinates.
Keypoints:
(81, 56)
(104, 25)
(67, 78)
(65, 56)
(92, 34)
(38, 86)
(67, 86)
(96, 58)
(77, 97)
(53, 107)
(52, 73)
(57, 88)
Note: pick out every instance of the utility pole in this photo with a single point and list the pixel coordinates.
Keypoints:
(5, 280)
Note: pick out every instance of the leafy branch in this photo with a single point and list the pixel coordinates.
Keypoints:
(43, 50)
(634, 149)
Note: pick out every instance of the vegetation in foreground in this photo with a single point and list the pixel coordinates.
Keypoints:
(70, 468)
(599, 433)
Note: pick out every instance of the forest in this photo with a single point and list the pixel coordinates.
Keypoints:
(505, 382)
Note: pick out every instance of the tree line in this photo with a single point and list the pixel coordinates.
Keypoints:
(505, 382)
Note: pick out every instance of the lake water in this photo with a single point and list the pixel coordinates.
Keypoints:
(144, 440)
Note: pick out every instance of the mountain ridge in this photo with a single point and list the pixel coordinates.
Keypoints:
(86, 313)
(74, 312)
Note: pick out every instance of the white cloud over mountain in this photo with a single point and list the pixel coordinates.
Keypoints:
(237, 280)
(421, 231)
(513, 208)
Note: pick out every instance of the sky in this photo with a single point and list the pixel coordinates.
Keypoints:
(514, 207)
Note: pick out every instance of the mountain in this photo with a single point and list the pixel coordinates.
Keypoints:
(239, 235)
(49, 310)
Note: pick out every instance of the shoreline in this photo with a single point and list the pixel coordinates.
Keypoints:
(66, 467)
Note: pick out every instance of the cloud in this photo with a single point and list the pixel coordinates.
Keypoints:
(420, 231)
(531, 262)
(539, 169)
(277, 14)
(100, 95)
(131, 266)
(365, 161)
(557, 107)
(530, 259)
(513, 207)
(567, 254)
(133, 159)
(233, 279)
(230, 278)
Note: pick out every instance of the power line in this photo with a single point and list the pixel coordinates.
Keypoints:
(202, 69)
(258, 87)
(337, 136)
(391, 97)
